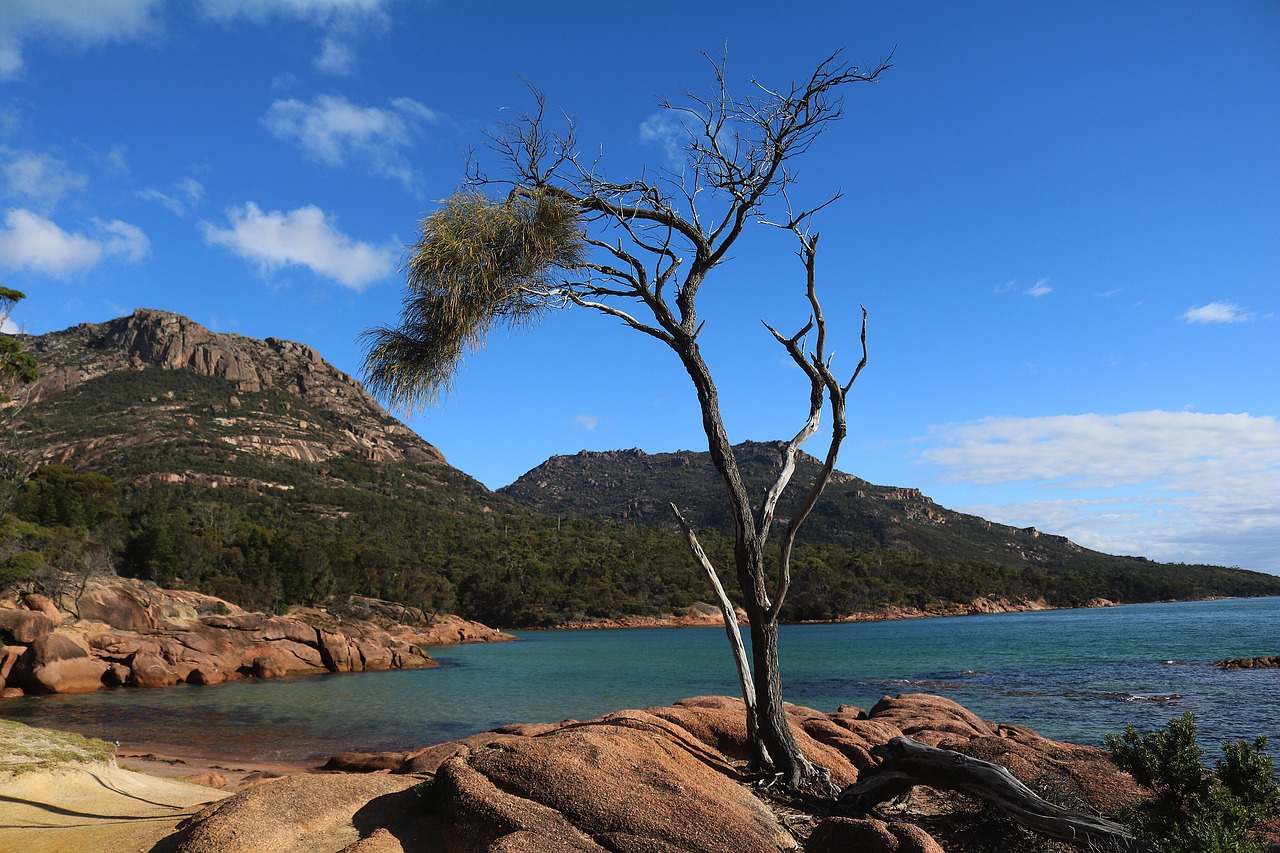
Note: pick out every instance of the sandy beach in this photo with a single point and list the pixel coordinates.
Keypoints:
(61, 792)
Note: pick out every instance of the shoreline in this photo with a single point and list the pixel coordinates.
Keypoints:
(169, 762)
(698, 617)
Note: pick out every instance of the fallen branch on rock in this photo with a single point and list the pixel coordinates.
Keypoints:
(907, 763)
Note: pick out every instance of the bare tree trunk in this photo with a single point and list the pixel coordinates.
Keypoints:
(745, 681)
(909, 763)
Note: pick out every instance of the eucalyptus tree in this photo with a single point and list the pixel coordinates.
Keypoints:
(553, 233)
(17, 368)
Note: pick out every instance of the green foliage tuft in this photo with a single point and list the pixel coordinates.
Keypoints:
(476, 262)
(16, 366)
(1193, 809)
(20, 566)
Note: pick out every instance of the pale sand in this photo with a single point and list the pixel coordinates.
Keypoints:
(93, 808)
(60, 793)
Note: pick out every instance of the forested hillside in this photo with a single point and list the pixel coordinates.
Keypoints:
(255, 471)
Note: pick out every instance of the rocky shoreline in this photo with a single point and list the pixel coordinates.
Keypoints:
(119, 632)
(663, 778)
(701, 614)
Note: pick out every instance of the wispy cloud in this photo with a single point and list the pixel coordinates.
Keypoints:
(1217, 312)
(333, 131)
(304, 237)
(37, 179)
(341, 21)
(1040, 288)
(1172, 485)
(312, 11)
(76, 22)
(335, 58)
(29, 241)
(182, 197)
(1035, 291)
(587, 422)
(662, 130)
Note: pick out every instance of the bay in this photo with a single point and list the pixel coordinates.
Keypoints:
(1072, 675)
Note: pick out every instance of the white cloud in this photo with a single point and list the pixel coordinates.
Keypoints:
(31, 242)
(1217, 312)
(9, 327)
(333, 131)
(1035, 291)
(1181, 486)
(302, 237)
(341, 20)
(121, 238)
(587, 422)
(335, 58)
(314, 11)
(184, 195)
(1040, 288)
(664, 131)
(79, 22)
(37, 178)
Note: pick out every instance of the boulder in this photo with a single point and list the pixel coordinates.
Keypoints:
(364, 762)
(627, 781)
(8, 657)
(23, 626)
(148, 669)
(43, 604)
(929, 719)
(56, 663)
(654, 781)
(288, 813)
(209, 780)
(842, 834)
(208, 676)
(118, 607)
(269, 666)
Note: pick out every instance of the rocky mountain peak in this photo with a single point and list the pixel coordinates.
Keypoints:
(163, 339)
(278, 397)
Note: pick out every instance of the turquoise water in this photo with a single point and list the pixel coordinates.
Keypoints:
(1072, 675)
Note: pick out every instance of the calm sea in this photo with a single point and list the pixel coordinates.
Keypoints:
(1073, 675)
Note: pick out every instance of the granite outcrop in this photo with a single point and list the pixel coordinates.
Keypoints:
(661, 779)
(123, 632)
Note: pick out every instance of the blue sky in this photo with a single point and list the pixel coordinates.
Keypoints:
(1064, 220)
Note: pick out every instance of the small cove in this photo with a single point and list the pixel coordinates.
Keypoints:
(1072, 675)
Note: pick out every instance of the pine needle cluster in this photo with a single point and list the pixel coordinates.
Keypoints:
(477, 262)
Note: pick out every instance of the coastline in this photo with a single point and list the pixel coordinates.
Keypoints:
(169, 762)
(701, 615)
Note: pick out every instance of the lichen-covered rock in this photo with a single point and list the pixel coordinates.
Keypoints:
(660, 780)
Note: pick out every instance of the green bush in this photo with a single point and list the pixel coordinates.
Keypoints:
(1193, 809)
(17, 567)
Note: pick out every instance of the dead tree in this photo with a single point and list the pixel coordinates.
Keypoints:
(560, 235)
(907, 763)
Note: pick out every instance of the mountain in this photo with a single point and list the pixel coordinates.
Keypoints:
(631, 485)
(164, 385)
(255, 471)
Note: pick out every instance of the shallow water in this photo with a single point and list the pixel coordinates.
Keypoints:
(1072, 675)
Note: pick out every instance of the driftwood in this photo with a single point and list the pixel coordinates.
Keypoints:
(908, 763)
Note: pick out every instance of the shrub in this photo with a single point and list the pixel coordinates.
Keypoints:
(17, 567)
(1193, 809)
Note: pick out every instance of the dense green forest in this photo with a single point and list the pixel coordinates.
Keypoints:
(504, 566)
(254, 471)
